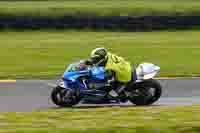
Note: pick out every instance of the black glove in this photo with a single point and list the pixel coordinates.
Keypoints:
(88, 62)
(110, 76)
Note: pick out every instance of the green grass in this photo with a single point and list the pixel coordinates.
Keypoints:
(44, 54)
(152, 119)
(100, 7)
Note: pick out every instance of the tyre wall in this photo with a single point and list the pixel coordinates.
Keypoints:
(107, 23)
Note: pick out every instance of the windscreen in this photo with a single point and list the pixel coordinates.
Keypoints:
(78, 66)
(72, 67)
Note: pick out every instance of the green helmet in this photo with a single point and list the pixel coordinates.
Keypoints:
(99, 56)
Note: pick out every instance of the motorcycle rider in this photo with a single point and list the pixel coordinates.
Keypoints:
(116, 67)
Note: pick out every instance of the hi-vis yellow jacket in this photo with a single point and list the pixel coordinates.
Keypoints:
(122, 68)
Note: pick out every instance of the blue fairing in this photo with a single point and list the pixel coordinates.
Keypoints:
(98, 73)
(91, 83)
(72, 76)
(95, 74)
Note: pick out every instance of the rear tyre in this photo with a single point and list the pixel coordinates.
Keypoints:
(146, 92)
(63, 97)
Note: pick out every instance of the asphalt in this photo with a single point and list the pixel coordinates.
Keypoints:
(33, 95)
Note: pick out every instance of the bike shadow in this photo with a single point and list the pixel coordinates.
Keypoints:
(95, 106)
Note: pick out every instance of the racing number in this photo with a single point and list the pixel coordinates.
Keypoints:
(115, 59)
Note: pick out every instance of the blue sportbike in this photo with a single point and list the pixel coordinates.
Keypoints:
(90, 85)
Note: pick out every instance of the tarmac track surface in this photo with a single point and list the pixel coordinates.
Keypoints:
(33, 95)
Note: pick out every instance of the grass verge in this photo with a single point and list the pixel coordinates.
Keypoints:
(44, 54)
(111, 120)
(100, 7)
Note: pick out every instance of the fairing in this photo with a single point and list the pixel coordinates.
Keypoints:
(146, 71)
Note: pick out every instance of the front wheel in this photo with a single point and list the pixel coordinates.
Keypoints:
(63, 97)
(146, 92)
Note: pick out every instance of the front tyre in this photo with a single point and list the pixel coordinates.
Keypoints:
(146, 92)
(63, 97)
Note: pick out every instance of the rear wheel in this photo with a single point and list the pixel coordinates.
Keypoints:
(64, 97)
(146, 92)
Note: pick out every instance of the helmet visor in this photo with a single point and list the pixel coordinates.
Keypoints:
(96, 59)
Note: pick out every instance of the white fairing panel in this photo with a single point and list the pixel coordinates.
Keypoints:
(146, 71)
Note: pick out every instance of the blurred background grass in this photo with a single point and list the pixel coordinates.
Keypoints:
(99, 7)
(44, 54)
